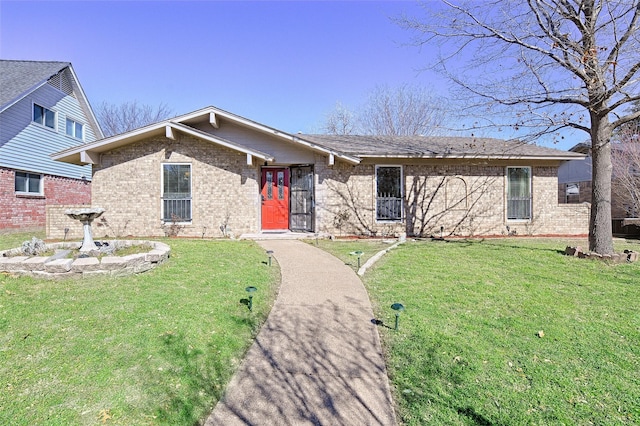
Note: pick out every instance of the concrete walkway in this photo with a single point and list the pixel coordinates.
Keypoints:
(318, 359)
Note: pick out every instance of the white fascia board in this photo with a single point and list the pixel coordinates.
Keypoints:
(473, 156)
(220, 141)
(103, 144)
(86, 102)
(265, 129)
(348, 158)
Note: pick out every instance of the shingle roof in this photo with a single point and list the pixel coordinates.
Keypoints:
(435, 147)
(20, 77)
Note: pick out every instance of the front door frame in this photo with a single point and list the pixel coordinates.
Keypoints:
(288, 170)
(276, 198)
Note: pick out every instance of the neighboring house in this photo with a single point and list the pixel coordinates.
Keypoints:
(213, 173)
(574, 186)
(43, 109)
(574, 177)
(574, 182)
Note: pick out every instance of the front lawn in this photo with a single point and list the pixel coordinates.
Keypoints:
(504, 332)
(155, 348)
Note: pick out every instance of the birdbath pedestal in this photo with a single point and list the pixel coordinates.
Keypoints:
(86, 216)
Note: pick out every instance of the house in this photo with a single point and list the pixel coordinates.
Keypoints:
(213, 173)
(574, 177)
(43, 109)
(574, 186)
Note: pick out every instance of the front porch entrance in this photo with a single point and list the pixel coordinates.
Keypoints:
(287, 198)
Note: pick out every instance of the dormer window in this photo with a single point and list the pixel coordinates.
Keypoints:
(75, 129)
(44, 116)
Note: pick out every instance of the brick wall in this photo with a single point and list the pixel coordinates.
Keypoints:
(29, 211)
(463, 199)
(127, 184)
(58, 222)
(435, 199)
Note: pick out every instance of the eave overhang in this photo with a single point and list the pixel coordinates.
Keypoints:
(87, 153)
(568, 157)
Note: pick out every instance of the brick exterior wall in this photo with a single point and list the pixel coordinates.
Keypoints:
(464, 199)
(29, 211)
(435, 199)
(127, 184)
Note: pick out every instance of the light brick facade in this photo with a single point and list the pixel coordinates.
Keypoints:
(463, 194)
(435, 197)
(128, 185)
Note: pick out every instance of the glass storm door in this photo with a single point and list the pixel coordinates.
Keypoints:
(275, 199)
(302, 198)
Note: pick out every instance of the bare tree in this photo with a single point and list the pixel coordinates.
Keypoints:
(545, 65)
(340, 121)
(390, 111)
(116, 119)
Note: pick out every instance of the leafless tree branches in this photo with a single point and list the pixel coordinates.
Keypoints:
(540, 66)
(389, 111)
(116, 119)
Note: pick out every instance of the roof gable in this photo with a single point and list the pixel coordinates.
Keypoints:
(18, 79)
(186, 123)
(350, 148)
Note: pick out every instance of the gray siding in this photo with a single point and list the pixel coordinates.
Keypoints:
(575, 171)
(25, 145)
(284, 152)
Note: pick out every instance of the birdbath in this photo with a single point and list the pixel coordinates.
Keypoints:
(86, 216)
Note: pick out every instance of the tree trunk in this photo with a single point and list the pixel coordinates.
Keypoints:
(600, 231)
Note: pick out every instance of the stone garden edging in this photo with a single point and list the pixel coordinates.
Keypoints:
(13, 261)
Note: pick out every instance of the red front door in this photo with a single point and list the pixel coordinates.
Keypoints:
(275, 198)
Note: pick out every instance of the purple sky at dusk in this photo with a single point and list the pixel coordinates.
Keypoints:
(284, 64)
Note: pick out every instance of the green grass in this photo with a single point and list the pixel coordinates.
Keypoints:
(9, 240)
(468, 352)
(343, 249)
(155, 348)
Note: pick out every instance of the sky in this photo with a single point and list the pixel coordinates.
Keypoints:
(284, 64)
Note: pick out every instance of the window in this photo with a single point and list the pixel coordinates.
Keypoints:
(176, 192)
(518, 193)
(44, 116)
(74, 129)
(572, 193)
(389, 193)
(28, 183)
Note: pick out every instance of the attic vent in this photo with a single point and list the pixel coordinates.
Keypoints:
(62, 82)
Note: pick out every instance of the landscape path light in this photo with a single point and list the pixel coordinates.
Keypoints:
(270, 254)
(251, 290)
(398, 307)
(359, 254)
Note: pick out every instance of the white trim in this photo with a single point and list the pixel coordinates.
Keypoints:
(375, 194)
(55, 117)
(27, 193)
(93, 117)
(475, 156)
(73, 136)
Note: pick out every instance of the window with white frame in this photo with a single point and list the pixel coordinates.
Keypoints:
(176, 192)
(389, 193)
(44, 116)
(28, 183)
(518, 193)
(75, 129)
